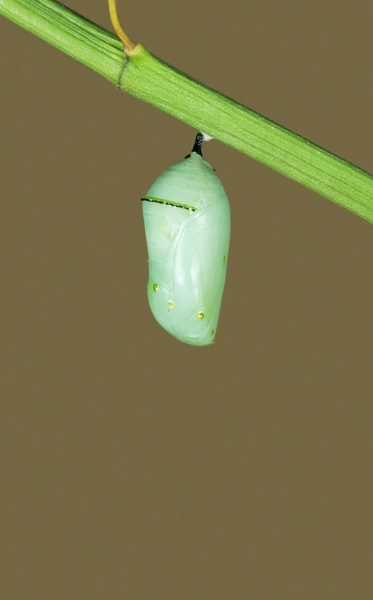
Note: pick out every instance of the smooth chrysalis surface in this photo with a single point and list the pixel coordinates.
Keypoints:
(187, 227)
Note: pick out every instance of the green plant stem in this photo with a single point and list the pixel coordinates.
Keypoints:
(163, 86)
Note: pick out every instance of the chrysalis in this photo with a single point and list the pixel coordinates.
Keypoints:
(187, 227)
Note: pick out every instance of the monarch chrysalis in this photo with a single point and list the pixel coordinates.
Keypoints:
(187, 227)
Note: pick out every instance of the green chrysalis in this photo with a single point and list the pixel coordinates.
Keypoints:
(187, 227)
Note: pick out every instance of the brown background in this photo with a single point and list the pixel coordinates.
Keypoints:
(138, 467)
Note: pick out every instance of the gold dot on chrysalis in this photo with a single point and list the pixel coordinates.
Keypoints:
(171, 304)
(155, 287)
(201, 315)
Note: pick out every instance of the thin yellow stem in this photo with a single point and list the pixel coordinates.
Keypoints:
(127, 44)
